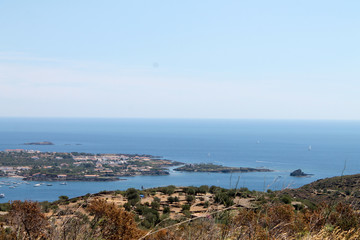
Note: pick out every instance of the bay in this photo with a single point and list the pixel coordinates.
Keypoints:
(281, 145)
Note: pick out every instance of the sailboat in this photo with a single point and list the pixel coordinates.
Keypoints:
(309, 148)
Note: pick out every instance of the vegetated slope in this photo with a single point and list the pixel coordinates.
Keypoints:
(345, 189)
(315, 211)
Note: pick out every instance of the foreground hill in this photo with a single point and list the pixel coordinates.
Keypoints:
(345, 189)
(315, 211)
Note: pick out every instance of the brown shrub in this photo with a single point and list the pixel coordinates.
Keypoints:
(280, 218)
(345, 217)
(112, 222)
(27, 219)
(163, 235)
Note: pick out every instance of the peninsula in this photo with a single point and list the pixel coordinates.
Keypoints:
(39, 143)
(55, 166)
(209, 167)
(34, 165)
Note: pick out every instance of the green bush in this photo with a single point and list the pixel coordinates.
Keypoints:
(63, 198)
(155, 205)
(4, 207)
(168, 190)
(133, 196)
(190, 191)
(203, 189)
(223, 198)
(185, 207)
(170, 199)
(214, 189)
(166, 210)
(190, 198)
(285, 199)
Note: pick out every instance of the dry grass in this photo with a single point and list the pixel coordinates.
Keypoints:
(102, 217)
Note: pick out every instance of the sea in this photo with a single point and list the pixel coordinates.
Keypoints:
(322, 148)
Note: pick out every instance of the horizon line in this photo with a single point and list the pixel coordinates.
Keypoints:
(176, 118)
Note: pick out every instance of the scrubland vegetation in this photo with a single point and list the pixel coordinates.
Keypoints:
(190, 213)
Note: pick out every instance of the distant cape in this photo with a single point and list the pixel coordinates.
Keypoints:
(39, 143)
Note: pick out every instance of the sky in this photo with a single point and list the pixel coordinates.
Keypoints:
(255, 59)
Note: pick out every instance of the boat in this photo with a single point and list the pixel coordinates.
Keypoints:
(2, 195)
(37, 185)
(63, 183)
(309, 148)
(49, 184)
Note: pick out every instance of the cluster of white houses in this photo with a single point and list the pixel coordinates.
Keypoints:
(104, 163)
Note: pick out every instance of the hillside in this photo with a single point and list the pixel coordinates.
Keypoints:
(315, 211)
(345, 189)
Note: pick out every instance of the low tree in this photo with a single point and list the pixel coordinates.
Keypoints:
(133, 196)
(28, 220)
(112, 222)
(190, 198)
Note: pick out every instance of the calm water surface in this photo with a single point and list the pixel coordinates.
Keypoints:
(279, 145)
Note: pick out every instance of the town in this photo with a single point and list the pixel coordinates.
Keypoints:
(32, 165)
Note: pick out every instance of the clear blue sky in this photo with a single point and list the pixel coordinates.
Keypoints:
(180, 59)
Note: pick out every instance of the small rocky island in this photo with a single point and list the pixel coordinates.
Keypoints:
(299, 173)
(209, 167)
(39, 143)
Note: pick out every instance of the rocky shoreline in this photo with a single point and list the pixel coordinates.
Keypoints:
(72, 178)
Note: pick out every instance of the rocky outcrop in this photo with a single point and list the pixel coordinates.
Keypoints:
(299, 173)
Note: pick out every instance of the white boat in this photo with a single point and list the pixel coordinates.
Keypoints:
(2, 195)
(37, 185)
(63, 183)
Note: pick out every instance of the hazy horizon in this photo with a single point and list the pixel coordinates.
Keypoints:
(164, 118)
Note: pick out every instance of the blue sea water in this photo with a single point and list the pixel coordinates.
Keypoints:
(281, 145)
